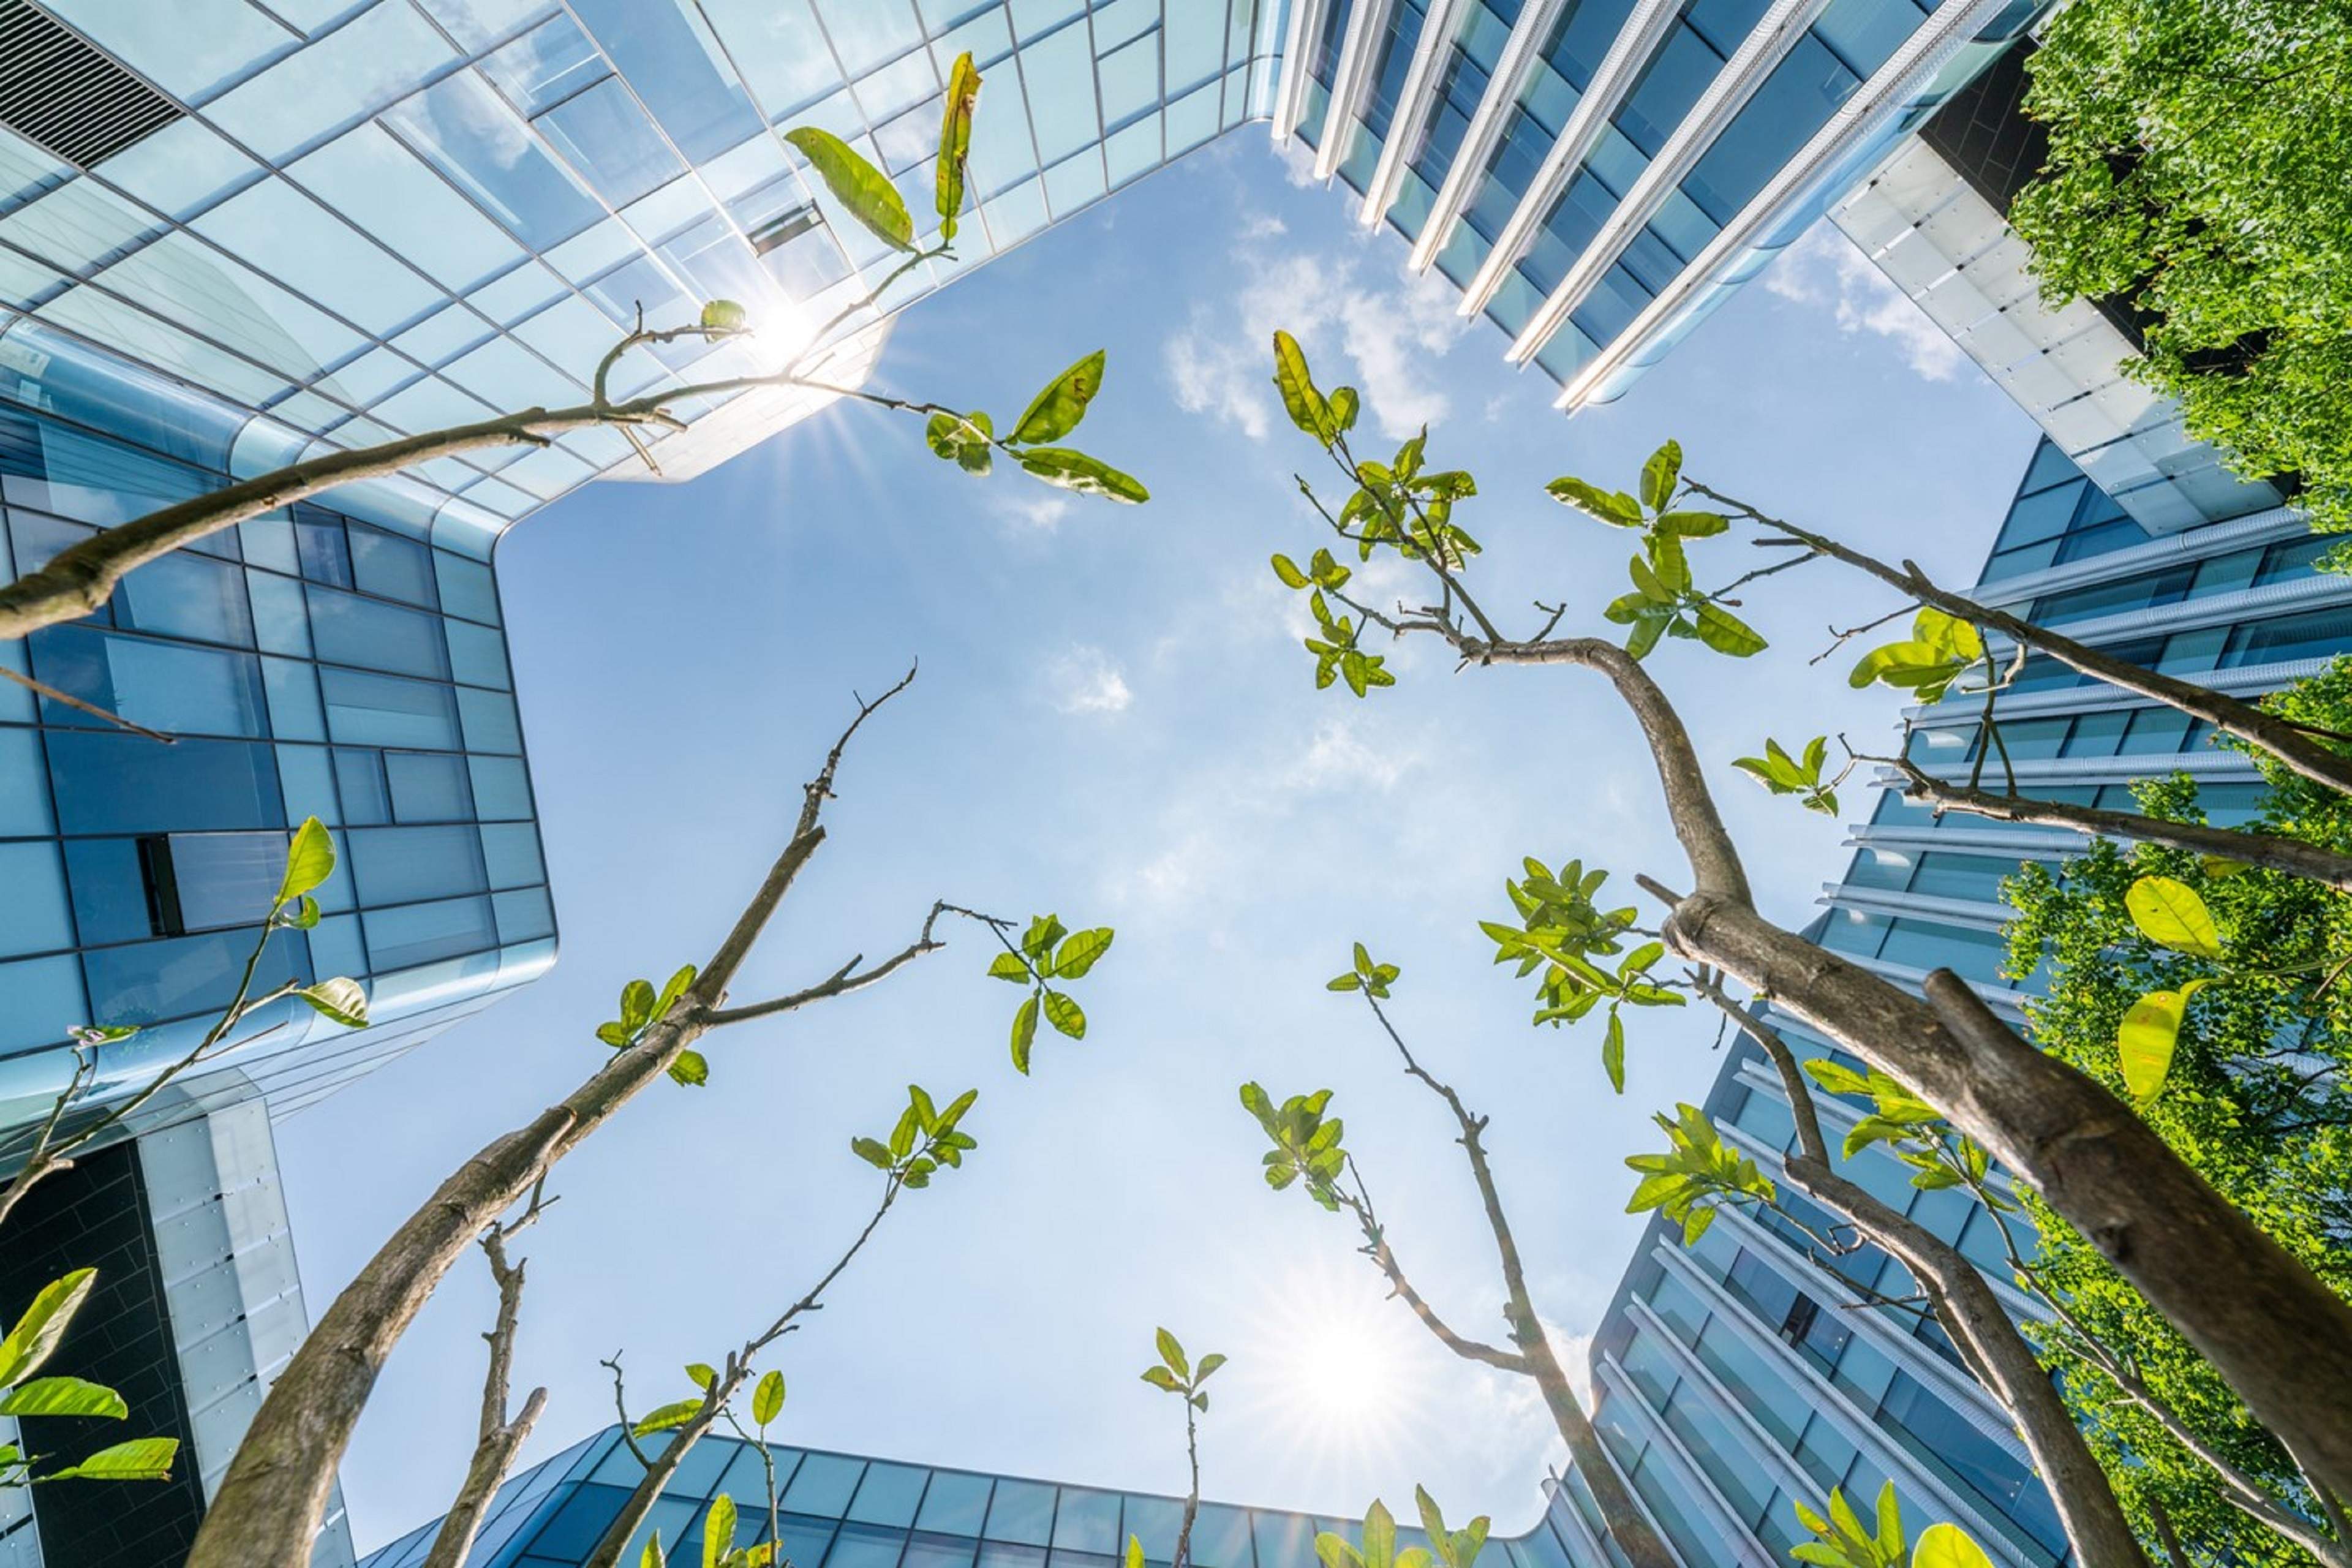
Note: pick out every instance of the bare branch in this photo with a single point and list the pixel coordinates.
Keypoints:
(43, 689)
(843, 981)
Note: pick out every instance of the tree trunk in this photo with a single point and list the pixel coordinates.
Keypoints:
(2267, 1324)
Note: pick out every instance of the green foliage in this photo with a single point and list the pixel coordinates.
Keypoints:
(967, 440)
(768, 1397)
(1308, 407)
(38, 1331)
(1372, 979)
(1055, 411)
(724, 316)
(857, 185)
(1845, 1539)
(1697, 1173)
(719, 1548)
(2257, 1097)
(1072, 470)
(1925, 664)
(1378, 1549)
(1175, 1373)
(641, 1008)
(1305, 1143)
(1913, 1130)
(1563, 932)
(955, 143)
(1782, 774)
(924, 1139)
(2196, 170)
(1048, 951)
(1665, 602)
(309, 861)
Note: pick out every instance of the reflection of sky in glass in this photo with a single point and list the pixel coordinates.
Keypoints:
(463, 129)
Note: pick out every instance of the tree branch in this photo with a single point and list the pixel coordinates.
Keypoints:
(498, 1438)
(843, 981)
(42, 689)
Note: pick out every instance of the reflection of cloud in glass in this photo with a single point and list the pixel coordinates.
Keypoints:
(466, 132)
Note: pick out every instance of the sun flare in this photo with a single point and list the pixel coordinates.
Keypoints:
(1342, 1373)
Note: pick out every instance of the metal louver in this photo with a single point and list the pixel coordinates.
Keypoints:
(66, 97)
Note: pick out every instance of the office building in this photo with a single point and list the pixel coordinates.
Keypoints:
(840, 1511)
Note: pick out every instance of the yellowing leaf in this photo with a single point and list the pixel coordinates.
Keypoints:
(310, 860)
(1300, 400)
(2171, 914)
(1947, 1546)
(857, 184)
(2150, 1032)
(1056, 410)
(955, 141)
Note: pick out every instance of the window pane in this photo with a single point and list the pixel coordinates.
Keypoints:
(184, 596)
(418, 933)
(164, 686)
(1023, 1511)
(348, 629)
(379, 710)
(110, 781)
(403, 865)
(824, 1484)
(219, 879)
(956, 1502)
(395, 568)
(888, 1494)
(148, 982)
(428, 786)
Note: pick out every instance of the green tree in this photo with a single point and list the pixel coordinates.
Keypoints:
(2196, 170)
(1176, 1372)
(1309, 1151)
(270, 1501)
(2251, 1088)
(2283, 1338)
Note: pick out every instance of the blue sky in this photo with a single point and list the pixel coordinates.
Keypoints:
(1115, 721)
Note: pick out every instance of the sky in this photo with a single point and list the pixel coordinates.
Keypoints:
(1113, 722)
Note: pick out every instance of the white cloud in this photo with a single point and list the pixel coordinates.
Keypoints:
(1379, 333)
(1029, 511)
(1825, 267)
(1339, 757)
(1264, 225)
(1086, 680)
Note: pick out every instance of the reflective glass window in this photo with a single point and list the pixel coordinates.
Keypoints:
(419, 934)
(605, 136)
(274, 224)
(146, 982)
(358, 778)
(211, 880)
(888, 1494)
(348, 629)
(35, 916)
(387, 193)
(1283, 1540)
(501, 788)
(510, 850)
(866, 1546)
(325, 553)
(165, 686)
(776, 46)
(1021, 1511)
(366, 709)
(1087, 1522)
(428, 787)
(112, 782)
(109, 891)
(956, 1502)
(925, 1550)
(391, 566)
(468, 588)
(823, 1484)
(1220, 1537)
(186, 595)
(404, 865)
(470, 134)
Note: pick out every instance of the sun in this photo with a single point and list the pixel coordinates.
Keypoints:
(1340, 1379)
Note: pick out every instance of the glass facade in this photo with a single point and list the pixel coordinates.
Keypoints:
(842, 1510)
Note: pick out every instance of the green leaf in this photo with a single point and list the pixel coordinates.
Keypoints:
(612, 1034)
(768, 1397)
(306, 914)
(43, 1324)
(1343, 405)
(1025, 1034)
(1065, 1015)
(652, 1556)
(1080, 950)
(1287, 570)
(963, 439)
(2171, 914)
(1172, 1353)
(701, 1374)
(690, 1069)
(1074, 470)
(141, 1460)
(675, 1414)
(719, 1525)
(1947, 1546)
(1335, 1552)
(1160, 1377)
(1008, 966)
(1306, 407)
(62, 1397)
(872, 1152)
(1661, 473)
(310, 860)
(1134, 1552)
(1613, 507)
(1613, 1052)
(1693, 524)
(1209, 1364)
(724, 316)
(1726, 633)
(2147, 1037)
(340, 999)
(955, 143)
(637, 1004)
(857, 184)
(1056, 411)
(1348, 982)
(1890, 1522)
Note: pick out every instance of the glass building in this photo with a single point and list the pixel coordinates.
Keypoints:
(840, 1511)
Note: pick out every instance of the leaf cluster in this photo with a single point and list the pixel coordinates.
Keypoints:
(641, 1008)
(1562, 931)
(1305, 1143)
(1048, 951)
(1843, 1539)
(924, 1139)
(1336, 642)
(1665, 601)
(718, 1549)
(1372, 979)
(1782, 774)
(35, 1337)
(1697, 1173)
(1913, 1130)
(1938, 651)
(1175, 1372)
(1377, 1546)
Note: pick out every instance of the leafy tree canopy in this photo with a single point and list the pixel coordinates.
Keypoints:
(2197, 169)
(2254, 1098)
